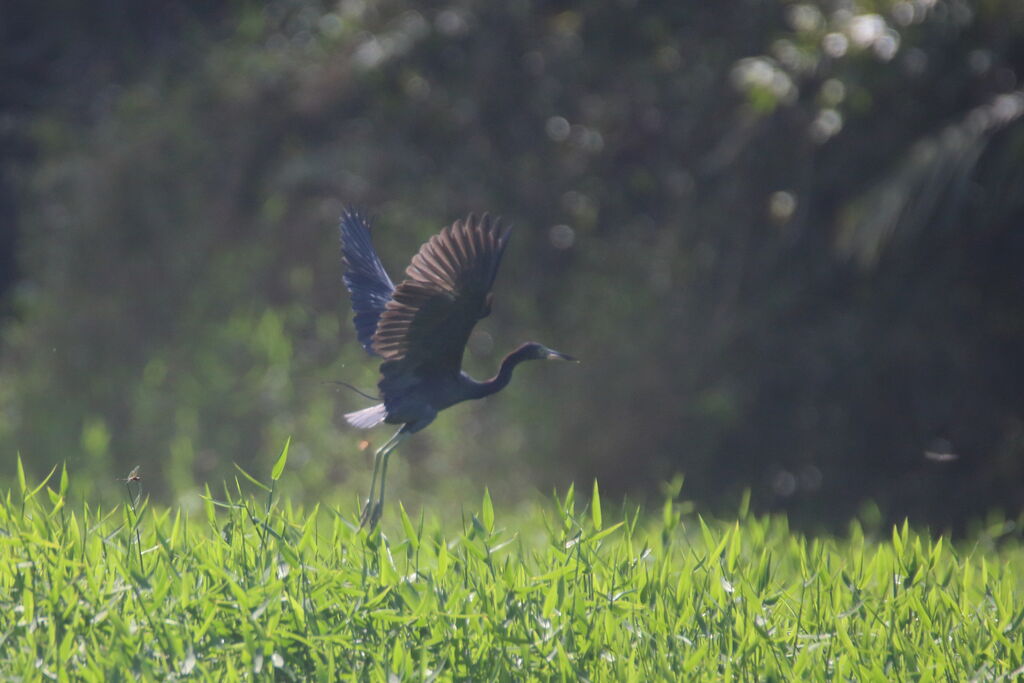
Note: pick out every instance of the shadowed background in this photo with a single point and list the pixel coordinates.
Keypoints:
(784, 237)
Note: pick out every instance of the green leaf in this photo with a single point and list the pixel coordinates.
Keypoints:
(705, 532)
(39, 488)
(211, 513)
(550, 600)
(897, 542)
(252, 479)
(410, 530)
(22, 486)
(275, 474)
(476, 528)
(733, 551)
(388, 572)
(443, 561)
(569, 505)
(595, 506)
(745, 504)
(610, 530)
(487, 512)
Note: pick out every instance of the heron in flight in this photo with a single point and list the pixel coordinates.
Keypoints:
(420, 328)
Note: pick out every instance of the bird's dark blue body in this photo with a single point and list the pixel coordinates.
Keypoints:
(420, 402)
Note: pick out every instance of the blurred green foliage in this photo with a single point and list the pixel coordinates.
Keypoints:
(783, 236)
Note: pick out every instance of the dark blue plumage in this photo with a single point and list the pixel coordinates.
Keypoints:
(420, 328)
(365, 277)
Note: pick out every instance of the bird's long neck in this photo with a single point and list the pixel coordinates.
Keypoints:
(501, 380)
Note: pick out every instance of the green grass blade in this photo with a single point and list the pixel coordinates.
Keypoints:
(275, 474)
(487, 511)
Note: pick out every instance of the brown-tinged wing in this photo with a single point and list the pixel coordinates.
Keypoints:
(426, 325)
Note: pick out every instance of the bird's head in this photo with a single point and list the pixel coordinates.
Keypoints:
(535, 351)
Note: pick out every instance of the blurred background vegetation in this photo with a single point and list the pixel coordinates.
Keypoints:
(785, 237)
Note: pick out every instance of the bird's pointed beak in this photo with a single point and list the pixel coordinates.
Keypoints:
(558, 355)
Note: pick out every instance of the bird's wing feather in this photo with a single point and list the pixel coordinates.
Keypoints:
(447, 288)
(365, 277)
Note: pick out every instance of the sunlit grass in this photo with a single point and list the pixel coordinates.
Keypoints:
(259, 588)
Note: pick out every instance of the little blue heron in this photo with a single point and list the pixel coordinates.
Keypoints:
(420, 328)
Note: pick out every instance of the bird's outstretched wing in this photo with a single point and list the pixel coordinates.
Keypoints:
(427, 323)
(365, 277)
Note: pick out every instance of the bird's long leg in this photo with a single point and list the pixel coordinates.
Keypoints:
(373, 480)
(369, 508)
(398, 438)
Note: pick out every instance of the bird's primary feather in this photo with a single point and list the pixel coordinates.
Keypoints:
(427, 323)
(365, 277)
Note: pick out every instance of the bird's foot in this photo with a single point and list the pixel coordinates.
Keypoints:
(370, 515)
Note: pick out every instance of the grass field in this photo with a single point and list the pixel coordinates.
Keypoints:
(259, 589)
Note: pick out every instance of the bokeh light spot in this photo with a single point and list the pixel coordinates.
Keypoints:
(561, 236)
(558, 128)
(827, 124)
(835, 44)
(782, 206)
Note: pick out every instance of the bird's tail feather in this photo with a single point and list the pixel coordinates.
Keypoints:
(367, 417)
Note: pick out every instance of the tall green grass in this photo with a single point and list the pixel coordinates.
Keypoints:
(258, 588)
